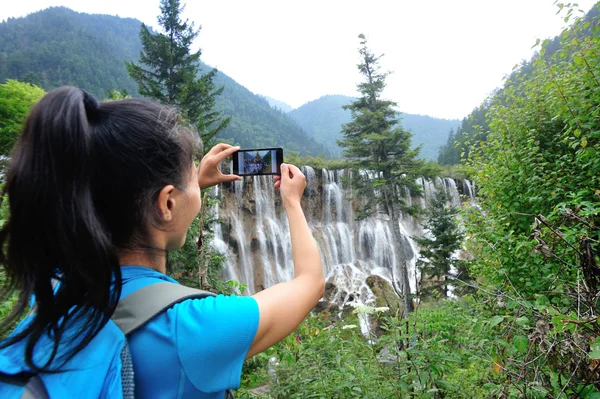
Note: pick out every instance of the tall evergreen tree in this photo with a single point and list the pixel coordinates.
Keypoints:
(378, 149)
(438, 247)
(169, 71)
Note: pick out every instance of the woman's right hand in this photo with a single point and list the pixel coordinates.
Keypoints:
(291, 184)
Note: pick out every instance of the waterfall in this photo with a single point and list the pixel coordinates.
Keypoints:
(229, 270)
(452, 191)
(258, 245)
(469, 189)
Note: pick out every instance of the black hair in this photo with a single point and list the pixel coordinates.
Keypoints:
(82, 183)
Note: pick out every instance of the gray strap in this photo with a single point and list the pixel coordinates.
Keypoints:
(138, 308)
(35, 389)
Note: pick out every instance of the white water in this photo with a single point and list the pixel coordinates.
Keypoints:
(350, 250)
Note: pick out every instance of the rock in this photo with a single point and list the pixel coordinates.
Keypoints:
(333, 293)
(327, 311)
(325, 306)
(385, 296)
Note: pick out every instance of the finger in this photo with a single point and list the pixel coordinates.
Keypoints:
(219, 157)
(218, 148)
(285, 172)
(295, 170)
(278, 184)
(277, 177)
(230, 178)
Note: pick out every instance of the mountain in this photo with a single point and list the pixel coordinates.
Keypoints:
(279, 104)
(58, 46)
(323, 118)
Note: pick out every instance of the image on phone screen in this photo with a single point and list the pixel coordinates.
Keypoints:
(262, 161)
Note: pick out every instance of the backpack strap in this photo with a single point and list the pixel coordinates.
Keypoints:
(141, 306)
(34, 386)
(35, 389)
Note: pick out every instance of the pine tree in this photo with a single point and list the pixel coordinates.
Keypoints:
(378, 149)
(438, 247)
(169, 71)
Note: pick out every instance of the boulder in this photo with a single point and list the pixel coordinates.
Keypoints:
(385, 296)
(327, 310)
(333, 293)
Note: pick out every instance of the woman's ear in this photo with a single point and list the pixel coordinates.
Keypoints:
(166, 203)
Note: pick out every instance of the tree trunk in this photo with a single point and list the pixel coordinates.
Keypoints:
(402, 279)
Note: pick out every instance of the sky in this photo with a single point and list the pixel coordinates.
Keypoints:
(445, 56)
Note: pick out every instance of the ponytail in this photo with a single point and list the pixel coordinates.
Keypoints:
(54, 231)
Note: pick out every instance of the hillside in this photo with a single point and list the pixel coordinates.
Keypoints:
(285, 107)
(323, 118)
(58, 46)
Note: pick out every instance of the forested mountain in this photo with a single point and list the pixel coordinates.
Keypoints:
(59, 46)
(323, 118)
(475, 126)
(285, 107)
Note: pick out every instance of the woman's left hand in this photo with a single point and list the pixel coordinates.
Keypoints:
(209, 174)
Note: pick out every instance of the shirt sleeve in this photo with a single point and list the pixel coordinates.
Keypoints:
(214, 335)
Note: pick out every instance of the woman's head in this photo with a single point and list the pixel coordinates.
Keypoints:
(87, 180)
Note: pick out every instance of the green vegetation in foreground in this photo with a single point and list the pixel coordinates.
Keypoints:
(441, 349)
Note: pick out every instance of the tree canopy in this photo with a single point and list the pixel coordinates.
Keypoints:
(16, 100)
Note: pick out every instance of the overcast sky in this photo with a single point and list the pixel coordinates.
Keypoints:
(446, 56)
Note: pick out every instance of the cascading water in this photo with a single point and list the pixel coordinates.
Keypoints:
(258, 244)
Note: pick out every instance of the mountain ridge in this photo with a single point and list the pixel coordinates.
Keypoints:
(58, 46)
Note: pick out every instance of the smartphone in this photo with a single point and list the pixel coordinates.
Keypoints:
(258, 161)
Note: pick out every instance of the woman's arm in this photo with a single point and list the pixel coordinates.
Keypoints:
(283, 306)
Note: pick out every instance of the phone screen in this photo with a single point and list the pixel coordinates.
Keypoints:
(260, 161)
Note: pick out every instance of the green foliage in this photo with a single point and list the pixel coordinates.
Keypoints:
(16, 100)
(168, 71)
(315, 162)
(535, 235)
(437, 247)
(438, 352)
(59, 46)
(473, 127)
(114, 94)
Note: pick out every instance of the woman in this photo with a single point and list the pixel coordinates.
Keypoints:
(98, 194)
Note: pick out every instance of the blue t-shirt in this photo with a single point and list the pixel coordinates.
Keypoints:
(196, 349)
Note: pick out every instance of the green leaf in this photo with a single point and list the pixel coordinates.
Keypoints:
(521, 343)
(583, 143)
(594, 355)
(494, 321)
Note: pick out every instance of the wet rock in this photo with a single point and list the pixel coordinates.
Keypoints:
(325, 306)
(385, 296)
(333, 293)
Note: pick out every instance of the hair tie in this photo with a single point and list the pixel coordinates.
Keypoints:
(90, 103)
